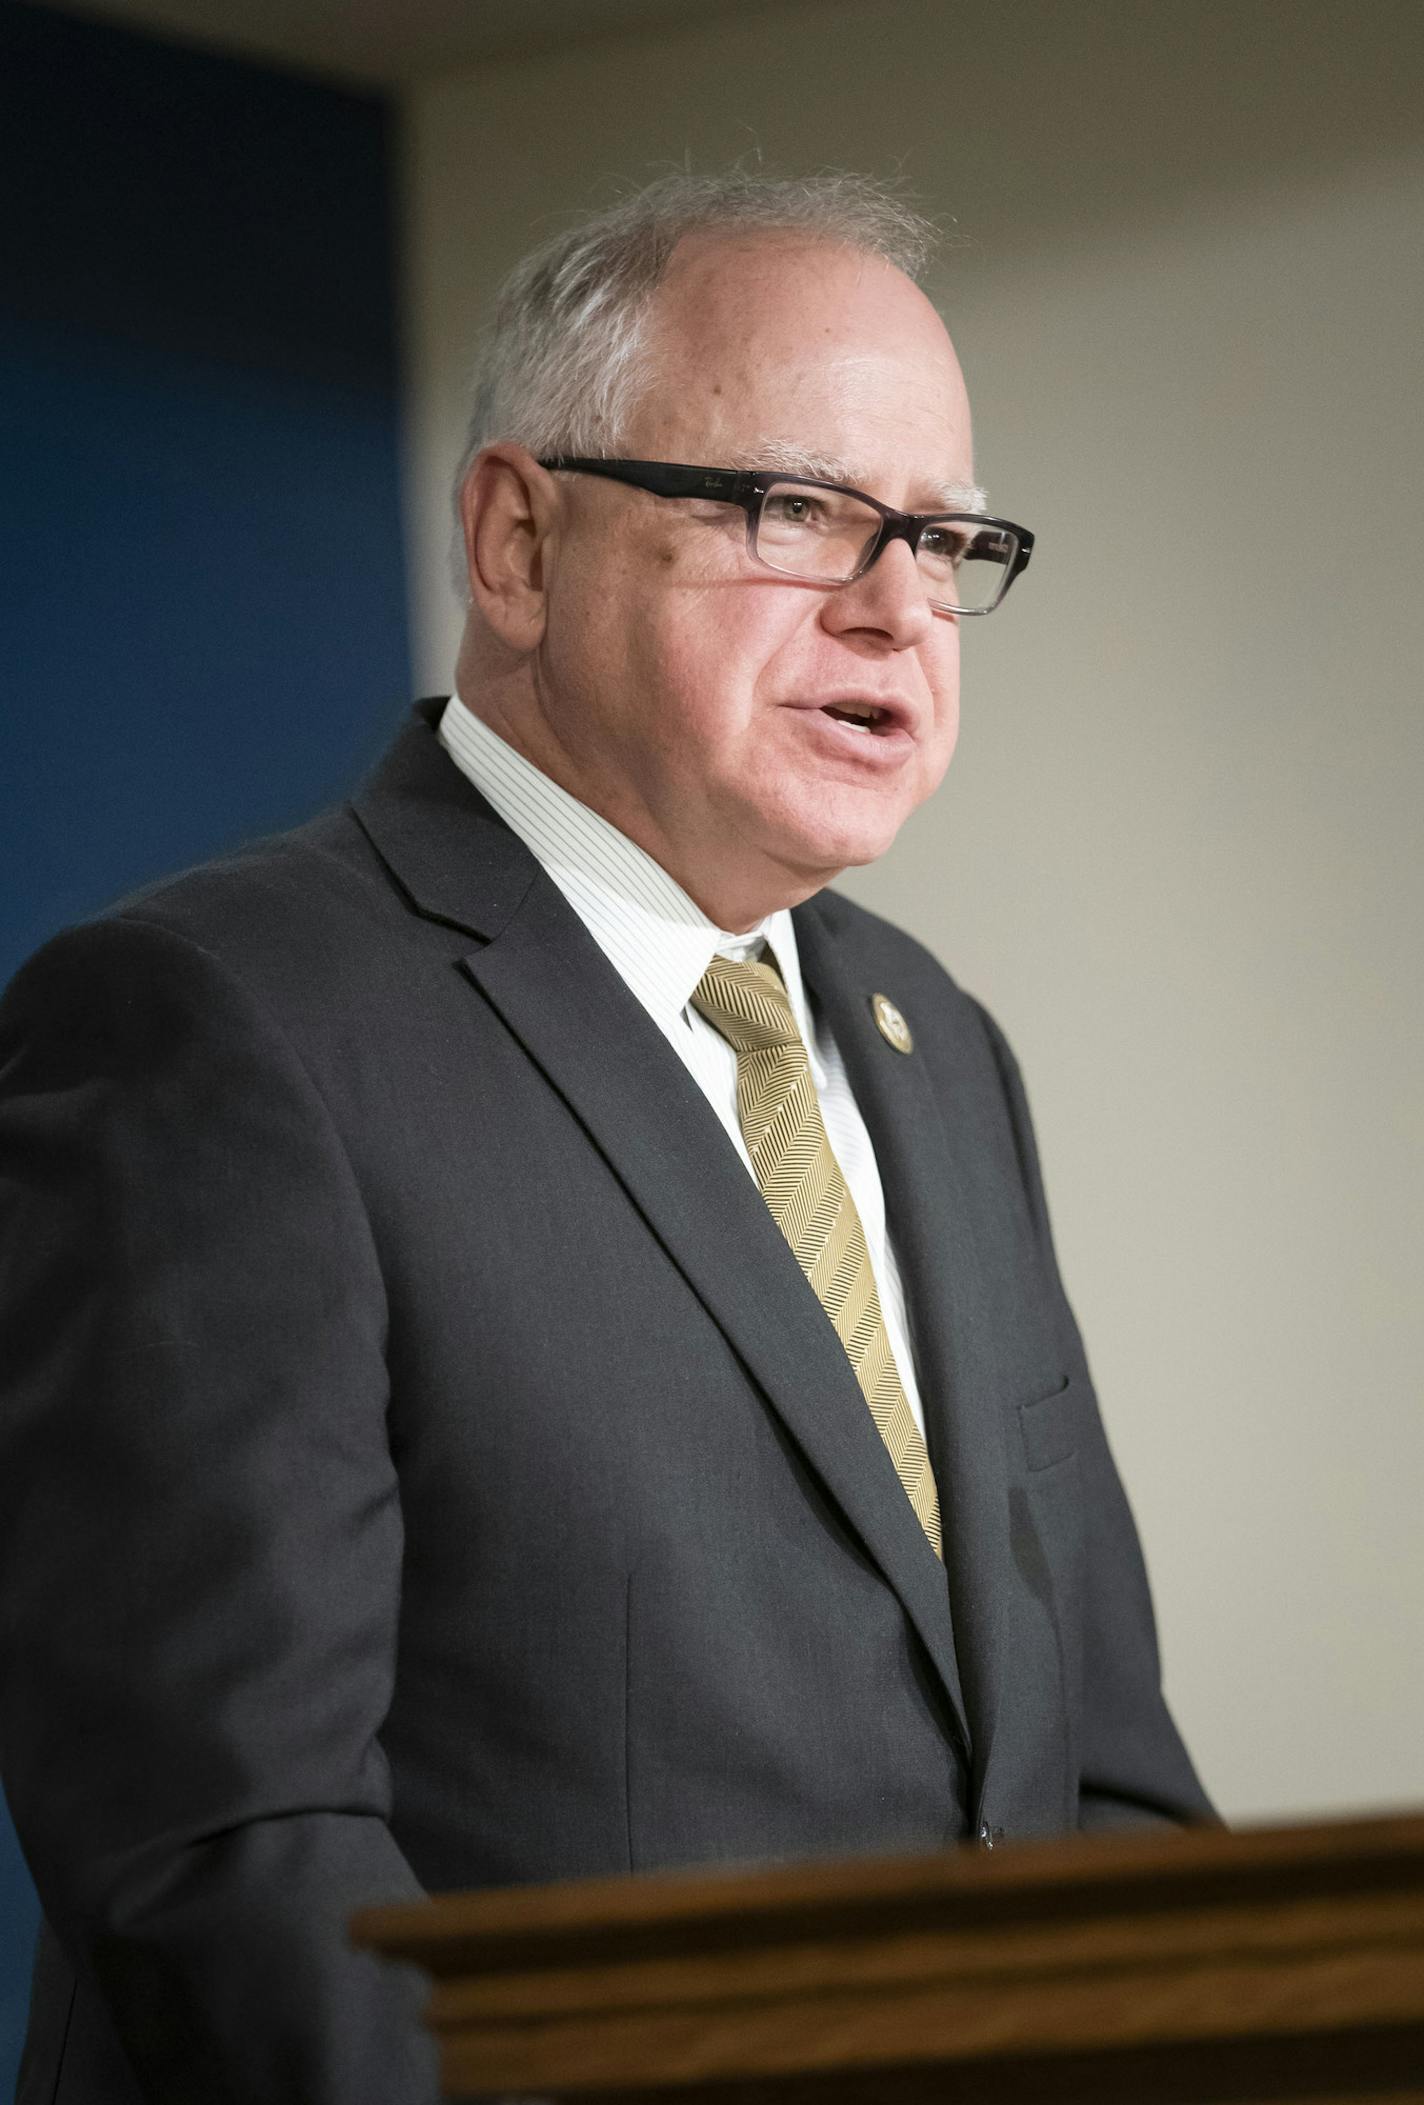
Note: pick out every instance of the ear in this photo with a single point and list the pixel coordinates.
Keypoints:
(508, 505)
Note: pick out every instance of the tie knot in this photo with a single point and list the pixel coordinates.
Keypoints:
(748, 1004)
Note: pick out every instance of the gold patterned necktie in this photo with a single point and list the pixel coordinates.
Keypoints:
(810, 1202)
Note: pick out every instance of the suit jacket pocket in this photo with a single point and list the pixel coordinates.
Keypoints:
(1048, 1531)
(1053, 1427)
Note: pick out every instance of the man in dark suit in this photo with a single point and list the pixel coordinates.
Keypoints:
(533, 1345)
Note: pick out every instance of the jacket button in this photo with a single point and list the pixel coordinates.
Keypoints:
(988, 1835)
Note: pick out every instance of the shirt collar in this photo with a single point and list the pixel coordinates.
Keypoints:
(656, 937)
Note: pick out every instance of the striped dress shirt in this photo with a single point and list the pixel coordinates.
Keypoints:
(660, 943)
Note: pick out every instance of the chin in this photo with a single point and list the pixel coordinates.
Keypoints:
(825, 851)
(859, 831)
(812, 836)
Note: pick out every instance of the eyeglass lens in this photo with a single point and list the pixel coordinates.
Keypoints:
(823, 536)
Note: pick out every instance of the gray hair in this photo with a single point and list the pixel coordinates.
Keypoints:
(562, 359)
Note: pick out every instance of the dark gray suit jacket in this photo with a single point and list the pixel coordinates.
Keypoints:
(423, 1463)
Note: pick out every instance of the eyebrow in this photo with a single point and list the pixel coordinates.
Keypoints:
(828, 467)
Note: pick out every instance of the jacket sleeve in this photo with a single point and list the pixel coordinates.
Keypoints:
(1133, 1769)
(200, 1529)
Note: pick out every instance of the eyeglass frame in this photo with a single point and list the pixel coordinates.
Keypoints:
(749, 487)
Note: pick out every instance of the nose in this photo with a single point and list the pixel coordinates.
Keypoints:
(888, 601)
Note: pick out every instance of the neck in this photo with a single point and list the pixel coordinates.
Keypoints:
(736, 899)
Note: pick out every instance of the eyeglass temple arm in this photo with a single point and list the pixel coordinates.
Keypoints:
(665, 478)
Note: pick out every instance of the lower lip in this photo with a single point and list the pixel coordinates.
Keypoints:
(872, 749)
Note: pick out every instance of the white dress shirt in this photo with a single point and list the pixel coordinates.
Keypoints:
(660, 943)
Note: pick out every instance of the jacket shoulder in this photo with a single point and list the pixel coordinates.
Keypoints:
(274, 914)
(305, 882)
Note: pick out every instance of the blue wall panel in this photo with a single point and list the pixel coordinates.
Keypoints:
(207, 626)
(200, 567)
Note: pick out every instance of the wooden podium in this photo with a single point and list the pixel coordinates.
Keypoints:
(1161, 1968)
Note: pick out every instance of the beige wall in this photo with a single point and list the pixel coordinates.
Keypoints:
(1178, 852)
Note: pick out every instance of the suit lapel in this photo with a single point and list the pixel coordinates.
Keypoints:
(940, 1207)
(541, 970)
(615, 1070)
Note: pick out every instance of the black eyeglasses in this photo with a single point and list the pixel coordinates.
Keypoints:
(827, 533)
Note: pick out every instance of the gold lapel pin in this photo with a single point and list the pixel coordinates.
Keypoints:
(891, 1024)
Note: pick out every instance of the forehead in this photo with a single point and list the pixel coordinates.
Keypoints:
(774, 339)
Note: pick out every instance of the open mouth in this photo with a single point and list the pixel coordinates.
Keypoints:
(864, 716)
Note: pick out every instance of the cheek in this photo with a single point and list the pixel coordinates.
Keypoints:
(718, 658)
(945, 680)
